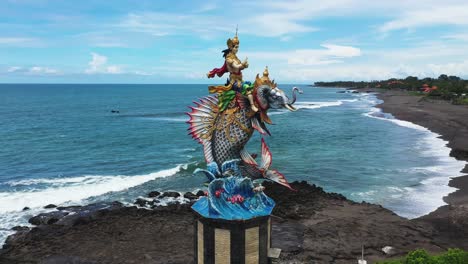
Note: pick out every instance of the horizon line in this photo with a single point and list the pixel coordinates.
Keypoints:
(137, 83)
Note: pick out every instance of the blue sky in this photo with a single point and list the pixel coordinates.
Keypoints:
(143, 41)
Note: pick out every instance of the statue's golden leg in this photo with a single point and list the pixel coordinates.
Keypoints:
(252, 105)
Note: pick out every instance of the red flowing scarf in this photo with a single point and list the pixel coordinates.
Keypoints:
(218, 71)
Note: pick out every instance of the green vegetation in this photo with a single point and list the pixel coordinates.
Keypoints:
(420, 256)
(461, 100)
(445, 87)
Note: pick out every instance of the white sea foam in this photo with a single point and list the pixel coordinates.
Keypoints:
(414, 201)
(418, 200)
(73, 189)
(311, 105)
(427, 196)
(168, 200)
(168, 119)
(411, 202)
(378, 114)
(316, 105)
(278, 112)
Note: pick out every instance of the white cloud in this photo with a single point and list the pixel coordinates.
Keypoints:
(282, 19)
(330, 55)
(98, 64)
(103, 39)
(267, 24)
(457, 36)
(423, 53)
(34, 70)
(336, 62)
(113, 69)
(42, 70)
(371, 71)
(12, 41)
(14, 69)
(206, 8)
(455, 14)
(452, 68)
(143, 73)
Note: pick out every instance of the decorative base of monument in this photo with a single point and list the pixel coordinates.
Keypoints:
(232, 241)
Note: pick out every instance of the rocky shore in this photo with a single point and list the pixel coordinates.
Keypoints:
(310, 225)
(451, 123)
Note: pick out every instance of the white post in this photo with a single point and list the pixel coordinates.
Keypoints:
(362, 261)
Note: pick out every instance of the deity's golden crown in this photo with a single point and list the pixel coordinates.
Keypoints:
(232, 42)
(265, 79)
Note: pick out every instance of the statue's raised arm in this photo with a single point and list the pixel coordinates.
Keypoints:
(235, 84)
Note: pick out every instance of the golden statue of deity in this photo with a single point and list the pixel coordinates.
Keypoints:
(235, 84)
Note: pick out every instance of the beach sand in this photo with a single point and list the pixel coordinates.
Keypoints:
(449, 121)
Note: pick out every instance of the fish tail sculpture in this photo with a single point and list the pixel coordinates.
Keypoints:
(262, 171)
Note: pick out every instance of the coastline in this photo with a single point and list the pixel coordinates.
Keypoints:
(447, 120)
(451, 123)
(309, 225)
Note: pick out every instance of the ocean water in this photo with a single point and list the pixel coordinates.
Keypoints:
(61, 144)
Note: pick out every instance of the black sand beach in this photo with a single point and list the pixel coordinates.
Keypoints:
(441, 117)
(451, 122)
(310, 225)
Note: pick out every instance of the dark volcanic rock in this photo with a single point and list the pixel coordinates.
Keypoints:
(20, 228)
(79, 215)
(291, 234)
(153, 194)
(170, 194)
(200, 193)
(451, 221)
(190, 196)
(47, 218)
(143, 202)
(26, 208)
(67, 259)
(459, 154)
(126, 235)
(49, 206)
(69, 208)
(309, 225)
(74, 215)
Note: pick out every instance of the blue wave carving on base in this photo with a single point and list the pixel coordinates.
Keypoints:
(233, 198)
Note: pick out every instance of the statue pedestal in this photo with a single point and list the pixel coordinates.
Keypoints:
(219, 241)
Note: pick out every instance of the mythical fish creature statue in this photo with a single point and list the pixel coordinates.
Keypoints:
(223, 124)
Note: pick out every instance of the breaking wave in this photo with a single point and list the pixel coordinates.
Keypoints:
(74, 189)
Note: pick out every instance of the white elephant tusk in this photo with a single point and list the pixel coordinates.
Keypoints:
(290, 107)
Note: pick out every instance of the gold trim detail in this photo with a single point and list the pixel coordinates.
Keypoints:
(252, 245)
(269, 234)
(200, 244)
(222, 246)
(228, 118)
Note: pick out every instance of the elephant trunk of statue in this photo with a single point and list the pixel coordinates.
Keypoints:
(294, 90)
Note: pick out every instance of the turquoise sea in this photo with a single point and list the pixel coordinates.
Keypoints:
(61, 144)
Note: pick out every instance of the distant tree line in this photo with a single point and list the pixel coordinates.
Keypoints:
(445, 87)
